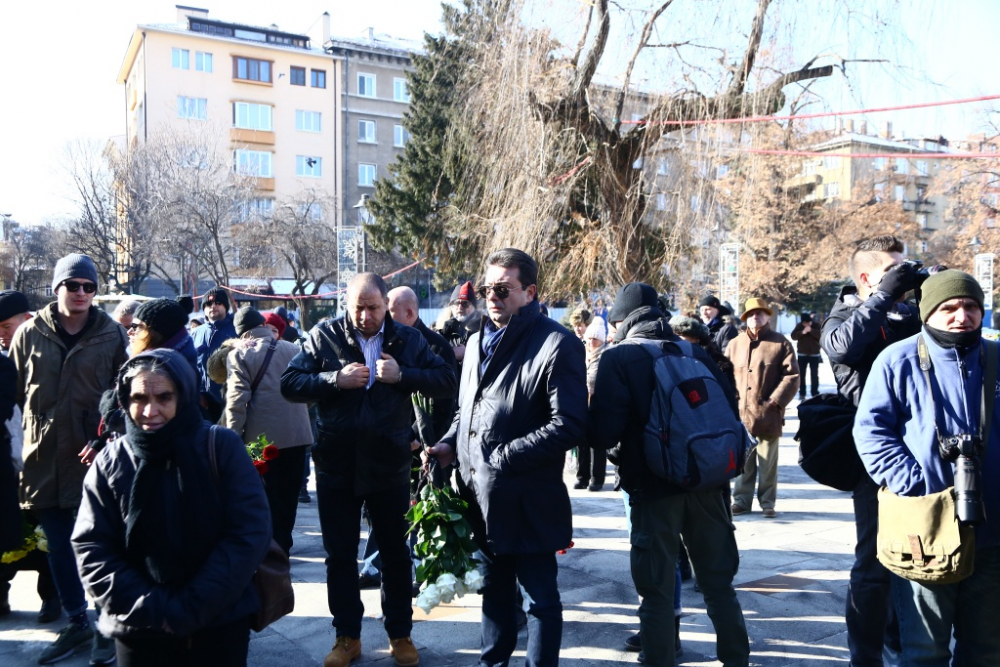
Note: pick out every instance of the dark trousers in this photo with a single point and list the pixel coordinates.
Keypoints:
(58, 524)
(282, 483)
(339, 510)
(223, 646)
(536, 573)
(810, 361)
(593, 462)
(871, 616)
(35, 560)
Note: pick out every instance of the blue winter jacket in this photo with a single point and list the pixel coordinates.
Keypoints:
(207, 339)
(894, 428)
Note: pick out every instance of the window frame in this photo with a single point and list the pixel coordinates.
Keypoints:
(303, 170)
(182, 56)
(269, 81)
(313, 76)
(200, 104)
(373, 135)
(240, 152)
(365, 167)
(204, 57)
(304, 114)
(374, 86)
(397, 132)
(258, 106)
(405, 98)
(292, 71)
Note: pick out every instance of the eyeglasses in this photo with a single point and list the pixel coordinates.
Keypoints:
(135, 326)
(463, 304)
(502, 291)
(74, 286)
(209, 304)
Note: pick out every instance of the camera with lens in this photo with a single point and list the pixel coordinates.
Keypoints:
(963, 450)
(922, 273)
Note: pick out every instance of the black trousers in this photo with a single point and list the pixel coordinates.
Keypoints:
(282, 483)
(593, 462)
(35, 560)
(810, 361)
(223, 646)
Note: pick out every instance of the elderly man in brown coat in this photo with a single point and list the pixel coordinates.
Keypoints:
(767, 377)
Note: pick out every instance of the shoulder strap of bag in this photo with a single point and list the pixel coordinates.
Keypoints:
(263, 367)
(990, 384)
(988, 354)
(213, 461)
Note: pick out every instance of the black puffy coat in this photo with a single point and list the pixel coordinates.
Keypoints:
(364, 434)
(512, 430)
(857, 331)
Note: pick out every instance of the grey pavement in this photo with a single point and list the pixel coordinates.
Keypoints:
(792, 585)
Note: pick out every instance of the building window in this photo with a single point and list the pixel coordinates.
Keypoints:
(900, 192)
(400, 137)
(203, 62)
(831, 162)
(921, 167)
(312, 211)
(256, 209)
(318, 78)
(366, 131)
(307, 121)
(193, 108)
(832, 190)
(661, 202)
(180, 58)
(661, 167)
(366, 175)
(922, 220)
(254, 163)
(902, 165)
(251, 69)
(878, 163)
(879, 191)
(298, 76)
(809, 167)
(366, 85)
(250, 116)
(307, 165)
(922, 245)
(400, 91)
(721, 171)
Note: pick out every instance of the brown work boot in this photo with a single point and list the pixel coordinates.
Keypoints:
(346, 650)
(404, 652)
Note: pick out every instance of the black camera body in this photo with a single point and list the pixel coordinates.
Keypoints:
(922, 272)
(963, 450)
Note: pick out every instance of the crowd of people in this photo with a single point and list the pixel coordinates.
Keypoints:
(126, 435)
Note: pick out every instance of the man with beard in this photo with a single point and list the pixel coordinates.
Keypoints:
(464, 321)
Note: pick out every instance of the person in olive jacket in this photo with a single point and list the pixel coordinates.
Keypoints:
(522, 406)
(361, 370)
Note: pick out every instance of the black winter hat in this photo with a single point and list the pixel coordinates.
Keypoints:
(186, 301)
(72, 266)
(246, 319)
(218, 295)
(710, 300)
(163, 316)
(464, 292)
(12, 303)
(631, 297)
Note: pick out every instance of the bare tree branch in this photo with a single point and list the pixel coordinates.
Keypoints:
(585, 73)
(583, 38)
(756, 32)
(647, 31)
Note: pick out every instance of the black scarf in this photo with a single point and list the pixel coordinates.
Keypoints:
(950, 339)
(174, 517)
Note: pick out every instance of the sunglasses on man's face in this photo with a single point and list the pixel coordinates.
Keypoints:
(209, 304)
(74, 286)
(502, 291)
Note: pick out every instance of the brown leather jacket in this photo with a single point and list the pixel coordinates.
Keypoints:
(766, 369)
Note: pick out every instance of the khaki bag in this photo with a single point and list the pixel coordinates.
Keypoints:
(920, 538)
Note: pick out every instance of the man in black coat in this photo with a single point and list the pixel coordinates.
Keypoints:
(522, 406)
(660, 512)
(712, 313)
(865, 320)
(361, 370)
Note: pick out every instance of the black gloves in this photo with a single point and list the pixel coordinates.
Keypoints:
(899, 280)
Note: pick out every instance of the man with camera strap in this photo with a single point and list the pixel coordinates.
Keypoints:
(923, 426)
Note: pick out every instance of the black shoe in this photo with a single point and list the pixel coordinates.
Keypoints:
(634, 643)
(51, 610)
(366, 580)
(596, 486)
(580, 485)
(304, 496)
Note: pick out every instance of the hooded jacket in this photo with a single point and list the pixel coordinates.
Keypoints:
(207, 339)
(59, 392)
(221, 590)
(894, 429)
(766, 369)
(364, 434)
(623, 393)
(514, 425)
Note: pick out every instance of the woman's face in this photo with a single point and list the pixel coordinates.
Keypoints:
(152, 400)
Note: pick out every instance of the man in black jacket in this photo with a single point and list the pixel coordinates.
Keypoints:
(865, 320)
(522, 406)
(361, 370)
(712, 313)
(660, 512)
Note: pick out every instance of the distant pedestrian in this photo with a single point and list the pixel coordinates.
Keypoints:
(713, 315)
(161, 323)
(806, 336)
(218, 328)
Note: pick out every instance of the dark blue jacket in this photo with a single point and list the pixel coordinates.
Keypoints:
(514, 425)
(207, 339)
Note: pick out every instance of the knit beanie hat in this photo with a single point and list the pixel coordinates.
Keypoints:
(216, 294)
(710, 300)
(945, 285)
(596, 330)
(72, 266)
(631, 297)
(282, 312)
(274, 319)
(12, 303)
(688, 326)
(186, 301)
(246, 319)
(164, 316)
(464, 292)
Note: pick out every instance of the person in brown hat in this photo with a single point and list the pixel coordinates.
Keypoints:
(767, 377)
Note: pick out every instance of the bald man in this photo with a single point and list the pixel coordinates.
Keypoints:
(361, 370)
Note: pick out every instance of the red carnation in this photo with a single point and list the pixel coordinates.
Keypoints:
(271, 452)
(261, 467)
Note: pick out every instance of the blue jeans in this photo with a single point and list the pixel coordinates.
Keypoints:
(536, 574)
(871, 617)
(339, 510)
(57, 523)
(928, 614)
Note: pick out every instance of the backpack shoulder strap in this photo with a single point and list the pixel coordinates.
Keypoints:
(990, 384)
(213, 461)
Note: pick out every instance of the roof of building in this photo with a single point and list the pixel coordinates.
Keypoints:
(848, 138)
(378, 42)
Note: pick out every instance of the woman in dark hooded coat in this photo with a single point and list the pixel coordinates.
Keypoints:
(164, 543)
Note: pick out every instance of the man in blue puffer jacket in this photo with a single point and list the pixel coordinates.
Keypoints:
(895, 433)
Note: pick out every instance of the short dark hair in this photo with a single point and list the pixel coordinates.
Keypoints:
(863, 258)
(363, 282)
(512, 258)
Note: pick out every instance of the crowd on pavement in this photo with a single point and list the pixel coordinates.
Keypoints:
(127, 435)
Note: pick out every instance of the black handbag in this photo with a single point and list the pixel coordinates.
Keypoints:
(273, 578)
(826, 444)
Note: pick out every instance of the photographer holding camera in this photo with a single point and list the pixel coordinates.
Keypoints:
(923, 426)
